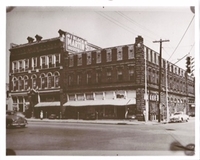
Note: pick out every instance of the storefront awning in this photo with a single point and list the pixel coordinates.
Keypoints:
(47, 104)
(116, 102)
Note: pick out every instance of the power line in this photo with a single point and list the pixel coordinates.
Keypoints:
(117, 23)
(114, 21)
(133, 21)
(185, 55)
(182, 37)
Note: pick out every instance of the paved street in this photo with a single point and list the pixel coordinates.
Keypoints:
(51, 138)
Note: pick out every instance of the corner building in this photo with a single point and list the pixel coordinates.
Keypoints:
(75, 79)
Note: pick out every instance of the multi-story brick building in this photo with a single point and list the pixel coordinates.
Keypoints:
(68, 76)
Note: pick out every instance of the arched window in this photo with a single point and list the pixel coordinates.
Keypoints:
(34, 81)
(20, 83)
(25, 82)
(15, 84)
(50, 80)
(56, 79)
(43, 81)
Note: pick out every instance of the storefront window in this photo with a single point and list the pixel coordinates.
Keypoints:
(89, 96)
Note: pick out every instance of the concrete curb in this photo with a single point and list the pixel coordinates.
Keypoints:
(116, 122)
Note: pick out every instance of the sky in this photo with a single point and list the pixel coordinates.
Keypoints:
(108, 26)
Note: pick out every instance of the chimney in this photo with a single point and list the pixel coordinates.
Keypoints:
(61, 32)
(38, 38)
(30, 39)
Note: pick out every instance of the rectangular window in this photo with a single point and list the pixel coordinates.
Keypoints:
(79, 79)
(21, 66)
(99, 96)
(72, 97)
(130, 52)
(50, 61)
(98, 77)
(26, 64)
(70, 80)
(15, 67)
(89, 78)
(71, 60)
(149, 54)
(89, 58)
(42, 62)
(98, 57)
(109, 75)
(155, 58)
(89, 96)
(79, 60)
(119, 53)
(80, 97)
(57, 59)
(34, 62)
(131, 74)
(108, 55)
(119, 74)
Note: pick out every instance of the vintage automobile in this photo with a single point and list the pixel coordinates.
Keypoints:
(14, 119)
(179, 117)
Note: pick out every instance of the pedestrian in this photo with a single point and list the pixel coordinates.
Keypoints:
(41, 114)
(144, 115)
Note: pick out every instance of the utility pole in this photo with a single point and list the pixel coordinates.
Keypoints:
(160, 73)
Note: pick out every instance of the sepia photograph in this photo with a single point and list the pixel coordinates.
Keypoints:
(101, 80)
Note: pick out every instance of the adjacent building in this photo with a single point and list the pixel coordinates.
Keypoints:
(75, 79)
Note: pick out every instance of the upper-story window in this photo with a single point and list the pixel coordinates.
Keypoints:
(89, 58)
(152, 57)
(119, 74)
(43, 62)
(79, 79)
(50, 58)
(149, 54)
(25, 82)
(26, 64)
(21, 67)
(155, 58)
(108, 55)
(14, 67)
(109, 75)
(70, 79)
(43, 81)
(57, 79)
(79, 62)
(71, 60)
(34, 62)
(57, 59)
(15, 85)
(20, 83)
(98, 76)
(131, 74)
(34, 81)
(98, 57)
(50, 80)
(89, 78)
(119, 53)
(130, 52)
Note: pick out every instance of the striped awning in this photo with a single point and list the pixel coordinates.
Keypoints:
(116, 102)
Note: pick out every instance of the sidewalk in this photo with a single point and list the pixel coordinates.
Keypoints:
(102, 121)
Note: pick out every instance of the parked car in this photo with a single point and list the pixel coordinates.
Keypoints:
(14, 119)
(53, 116)
(131, 116)
(179, 117)
(90, 116)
